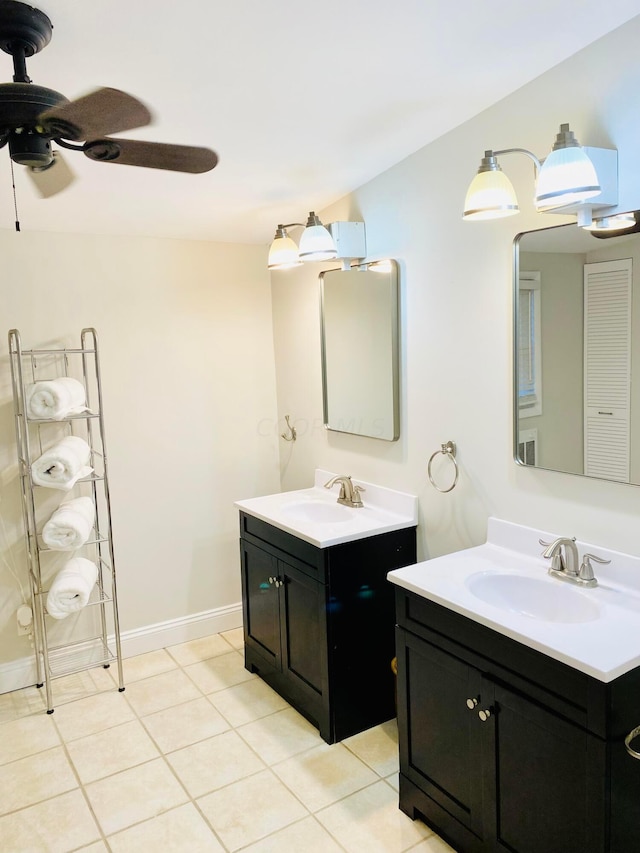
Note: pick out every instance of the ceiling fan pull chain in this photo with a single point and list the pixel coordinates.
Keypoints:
(15, 201)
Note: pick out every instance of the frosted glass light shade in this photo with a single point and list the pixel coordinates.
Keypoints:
(316, 243)
(618, 222)
(283, 254)
(567, 176)
(490, 196)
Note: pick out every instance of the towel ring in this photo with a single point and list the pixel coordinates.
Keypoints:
(627, 742)
(448, 449)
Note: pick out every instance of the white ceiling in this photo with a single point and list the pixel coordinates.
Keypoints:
(302, 101)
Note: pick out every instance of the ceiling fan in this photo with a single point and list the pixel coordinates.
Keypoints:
(32, 117)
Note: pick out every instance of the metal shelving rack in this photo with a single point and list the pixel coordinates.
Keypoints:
(97, 623)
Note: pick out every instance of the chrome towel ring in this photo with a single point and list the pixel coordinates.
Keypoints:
(448, 449)
(627, 742)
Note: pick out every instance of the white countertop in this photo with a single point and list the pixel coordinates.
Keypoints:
(384, 510)
(605, 646)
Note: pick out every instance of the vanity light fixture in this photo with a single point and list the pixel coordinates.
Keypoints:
(283, 253)
(619, 225)
(618, 222)
(316, 244)
(566, 181)
(567, 175)
(344, 240)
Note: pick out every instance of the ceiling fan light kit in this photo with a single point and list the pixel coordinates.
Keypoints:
(32, 117)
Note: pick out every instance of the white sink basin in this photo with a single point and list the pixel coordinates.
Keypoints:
(504, 585)
(536, 598)
(315, 515)
(319, 512)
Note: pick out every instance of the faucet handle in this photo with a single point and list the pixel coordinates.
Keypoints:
(586, 569)
(557, 560)
(357, 500)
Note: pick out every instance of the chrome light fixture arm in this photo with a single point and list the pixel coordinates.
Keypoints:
(529, 154)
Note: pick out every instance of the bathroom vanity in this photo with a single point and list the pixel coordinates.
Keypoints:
(513, 710)
(318, 610)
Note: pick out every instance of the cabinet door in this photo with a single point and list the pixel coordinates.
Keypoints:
(440, 742)
(304, 656)
(261, 602)
(547, 780)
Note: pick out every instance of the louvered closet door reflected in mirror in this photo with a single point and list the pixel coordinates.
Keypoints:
(607, 368)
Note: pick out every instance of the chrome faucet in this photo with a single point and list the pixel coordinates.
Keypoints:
(349, 493)
(564, 562)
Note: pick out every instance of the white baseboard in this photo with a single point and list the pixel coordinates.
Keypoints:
(22, 672)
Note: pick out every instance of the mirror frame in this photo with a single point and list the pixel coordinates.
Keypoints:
(515, 332)
(395, 345)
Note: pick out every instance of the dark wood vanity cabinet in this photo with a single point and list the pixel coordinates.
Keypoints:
(505, 749)
(319, 622)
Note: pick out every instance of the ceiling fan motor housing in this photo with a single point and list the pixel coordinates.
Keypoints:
(29, 148)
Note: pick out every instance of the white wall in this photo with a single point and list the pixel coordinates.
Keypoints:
(185, 335)
(456, 316)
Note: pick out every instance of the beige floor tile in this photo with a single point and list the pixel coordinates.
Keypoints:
(250, 809)
(371, 820)
(92, 714)
(219, 673)
(161, 691)
(116, 749)
(433, 844)
(180, 830)
(98, 847)
(199, 650)
(235, 637)
(26, 736)
(212, 763)
(324, 775)
(247, 702)
(280, 735)
(393, 780)
(83, 684)
(135, 795)
(146, 666)
(307, 835)
(21, 703)
(377, 747)
(175, 728)
(56, 826)
(38, 777)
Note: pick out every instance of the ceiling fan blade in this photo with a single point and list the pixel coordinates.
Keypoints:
(152, 155)
(96, 114)
(52, 179)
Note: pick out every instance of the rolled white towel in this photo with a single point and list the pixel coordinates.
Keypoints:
(71, 587)
(70, 525)
(55, 398)
(62, 465)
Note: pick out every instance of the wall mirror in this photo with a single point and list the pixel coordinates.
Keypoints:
(577, 352)
(359, 334)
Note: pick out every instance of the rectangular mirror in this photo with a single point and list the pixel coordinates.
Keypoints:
(359, 334)
(577, 351)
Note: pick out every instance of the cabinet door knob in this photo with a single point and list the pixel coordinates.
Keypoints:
(471, 704)
(485, 714)
(272, 580)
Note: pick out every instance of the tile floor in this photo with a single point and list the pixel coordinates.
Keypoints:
(196, 755)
